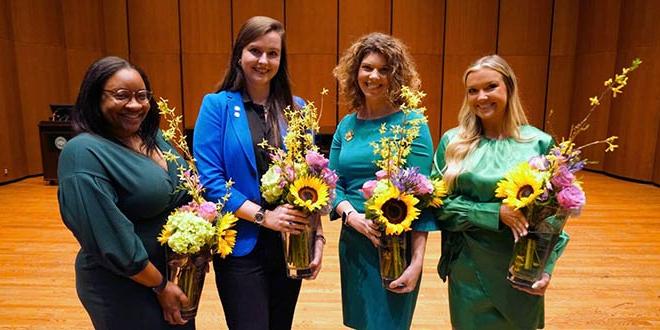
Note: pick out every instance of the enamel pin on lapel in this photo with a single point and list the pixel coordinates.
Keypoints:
(348, 136)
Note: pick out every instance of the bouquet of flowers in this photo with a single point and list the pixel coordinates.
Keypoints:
(546, 189)
(195, 231)
(299, 175)
(395, 198)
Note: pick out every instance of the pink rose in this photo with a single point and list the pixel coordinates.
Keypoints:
(571, 198)
(329, 176)
(368, 188)
(424, 185)
(382, 174)
(539, 163)
(208, 211)
(562, 178)
(316, 160)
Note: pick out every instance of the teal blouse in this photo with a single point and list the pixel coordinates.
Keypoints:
(365, 303)
(476, 246)
(115, 202)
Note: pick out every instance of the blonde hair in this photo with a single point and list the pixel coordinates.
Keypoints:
(403, 72)
(470, 128)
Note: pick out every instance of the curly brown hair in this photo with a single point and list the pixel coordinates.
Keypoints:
(402, 73)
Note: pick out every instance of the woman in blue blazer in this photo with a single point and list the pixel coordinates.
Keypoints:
(248, 108)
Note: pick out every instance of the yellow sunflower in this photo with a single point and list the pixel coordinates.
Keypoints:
(226, 238)
(439, 191)
(165, 234)
(520, 186)
(309, 193)
(394, 210)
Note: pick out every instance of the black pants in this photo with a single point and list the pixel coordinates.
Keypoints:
(254, 289)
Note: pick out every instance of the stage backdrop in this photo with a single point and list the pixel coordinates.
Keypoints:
(561, 50)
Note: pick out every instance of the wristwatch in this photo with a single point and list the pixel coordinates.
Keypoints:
(259, 216)
(344, 217)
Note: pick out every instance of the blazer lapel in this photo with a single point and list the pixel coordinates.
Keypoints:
(239, 121)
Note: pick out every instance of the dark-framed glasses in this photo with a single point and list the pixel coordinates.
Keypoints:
(124, 95)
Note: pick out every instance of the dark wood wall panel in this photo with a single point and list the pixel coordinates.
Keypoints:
(13, 162)
(244, 9)
(206, 47)
(635, 117)
(465, 42)
(357, 18)
(41, 67)
(312, 46)
(420, 25)
(561, 51)
(524, 40)
(83, 36)
(557, 119)
(155, 45)
(598, 34)
(115, 27)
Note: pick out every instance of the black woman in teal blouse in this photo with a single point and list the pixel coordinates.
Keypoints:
(115, 193)
(478, 230)
(371, 74)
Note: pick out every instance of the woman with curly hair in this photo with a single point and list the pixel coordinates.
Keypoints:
(371, 74)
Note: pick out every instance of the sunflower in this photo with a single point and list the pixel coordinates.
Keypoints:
(309, 193)
(165, 234)
(226, 238)
(394, 210)
(520, 186)
(439, 191)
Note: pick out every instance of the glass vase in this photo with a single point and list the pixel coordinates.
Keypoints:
(392, 256)
(531, 252)
(299, 250)
(188, 272)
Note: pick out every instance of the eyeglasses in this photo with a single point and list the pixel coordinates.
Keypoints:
(124, 95)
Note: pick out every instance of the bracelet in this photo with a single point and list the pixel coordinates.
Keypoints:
(320, 237)
(160, 287)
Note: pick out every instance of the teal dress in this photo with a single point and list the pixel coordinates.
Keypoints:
(115, 201)
(365, 303)
(477, 247)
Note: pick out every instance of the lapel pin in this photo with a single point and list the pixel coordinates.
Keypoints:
(348, 136)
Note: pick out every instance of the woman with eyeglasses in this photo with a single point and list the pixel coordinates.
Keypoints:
(115, 193)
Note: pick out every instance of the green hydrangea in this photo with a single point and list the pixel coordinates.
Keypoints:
(189, 232)
(270, 184)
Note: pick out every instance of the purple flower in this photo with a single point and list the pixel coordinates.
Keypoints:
(412, 182)
(539, 163)
(316, 160)
(563, 177)
(368, 188)
(571, 198)
(208, 211)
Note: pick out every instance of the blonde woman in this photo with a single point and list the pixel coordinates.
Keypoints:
(478, 230)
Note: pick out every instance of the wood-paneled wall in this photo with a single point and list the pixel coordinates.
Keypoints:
(561, 51)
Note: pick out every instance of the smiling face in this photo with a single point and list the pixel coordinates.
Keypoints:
(260, 59)
(124, 117)
(487, 96)
(374, 77)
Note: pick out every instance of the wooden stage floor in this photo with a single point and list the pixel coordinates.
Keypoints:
(608, 278)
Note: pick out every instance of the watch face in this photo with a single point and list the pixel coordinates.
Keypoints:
(259, 217)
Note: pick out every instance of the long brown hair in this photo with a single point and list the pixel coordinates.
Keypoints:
(280, 95)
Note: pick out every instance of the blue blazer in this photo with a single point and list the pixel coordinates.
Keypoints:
(223, 148)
